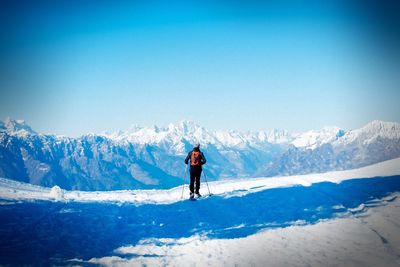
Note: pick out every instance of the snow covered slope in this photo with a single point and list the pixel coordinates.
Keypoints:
(281, 221)
(371, 238)
(13, 190)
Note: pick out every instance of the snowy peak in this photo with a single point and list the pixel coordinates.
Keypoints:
(388, 129)
(230, 138)
(275, 136)
(176, 135)
(171, 134)
(370, 132)
(191, 132)
(313, 139)
(16, 127)
(338, 137)
(184, 126)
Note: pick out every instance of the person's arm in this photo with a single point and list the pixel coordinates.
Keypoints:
(187, 158)
(203, 159)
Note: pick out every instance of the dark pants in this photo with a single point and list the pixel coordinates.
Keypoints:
(195, 173)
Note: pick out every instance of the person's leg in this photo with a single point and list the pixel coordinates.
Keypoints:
(192, 179)
(198, 175)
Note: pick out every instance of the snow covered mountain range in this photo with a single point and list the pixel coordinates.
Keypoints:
(153, 157)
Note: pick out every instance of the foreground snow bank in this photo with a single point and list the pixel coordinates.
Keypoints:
(367, 238)
(13, 190)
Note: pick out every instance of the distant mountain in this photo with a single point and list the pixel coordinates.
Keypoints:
(375, 142)
(153, 157)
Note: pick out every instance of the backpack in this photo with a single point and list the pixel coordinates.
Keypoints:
(195, 159)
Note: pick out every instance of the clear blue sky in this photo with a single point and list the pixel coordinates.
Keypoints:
(73, 67)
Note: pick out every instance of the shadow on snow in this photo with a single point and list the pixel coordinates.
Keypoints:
(39, 232)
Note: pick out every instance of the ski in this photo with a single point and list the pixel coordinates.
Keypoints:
(199, 198)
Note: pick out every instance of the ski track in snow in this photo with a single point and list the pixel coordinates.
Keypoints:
(13, 190)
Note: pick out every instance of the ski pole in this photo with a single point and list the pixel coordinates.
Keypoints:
(184, 180)
(205, 176)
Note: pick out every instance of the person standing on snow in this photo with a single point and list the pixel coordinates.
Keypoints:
(197, 160)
